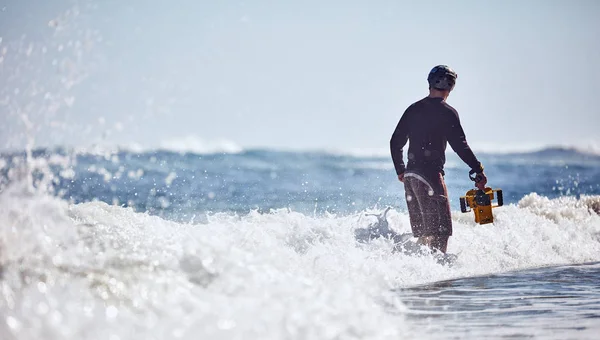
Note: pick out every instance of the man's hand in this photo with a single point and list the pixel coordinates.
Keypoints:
(401, 177)
(480, 181)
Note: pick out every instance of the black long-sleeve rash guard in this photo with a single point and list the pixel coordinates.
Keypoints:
(430, 124)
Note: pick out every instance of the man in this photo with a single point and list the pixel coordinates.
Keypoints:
(429, 125)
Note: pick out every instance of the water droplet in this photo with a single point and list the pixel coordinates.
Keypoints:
(13, 323)
(111, 312)
(41, 287)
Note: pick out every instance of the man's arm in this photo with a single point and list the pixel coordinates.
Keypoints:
(397, 143)
(458, 142)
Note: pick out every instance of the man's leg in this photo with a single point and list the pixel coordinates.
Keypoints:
(435, 242)
(411, 187)
(436, 215)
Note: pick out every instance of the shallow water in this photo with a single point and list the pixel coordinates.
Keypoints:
(551, 303)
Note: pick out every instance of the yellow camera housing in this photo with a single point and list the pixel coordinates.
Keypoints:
(480, 202)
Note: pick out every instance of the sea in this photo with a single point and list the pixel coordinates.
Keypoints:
(115, 243)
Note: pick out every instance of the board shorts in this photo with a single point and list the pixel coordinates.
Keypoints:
(428, 204)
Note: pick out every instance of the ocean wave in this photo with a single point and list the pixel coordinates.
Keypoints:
(550, 151)
(104, 269)
(188, 145)
(194, 145)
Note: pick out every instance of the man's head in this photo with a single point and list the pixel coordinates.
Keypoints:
(442, 78)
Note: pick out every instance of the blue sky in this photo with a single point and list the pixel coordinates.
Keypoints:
(305, 75)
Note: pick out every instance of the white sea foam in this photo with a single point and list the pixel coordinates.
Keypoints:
(188, 144)
(585, 147)
(197, 145)
(94, 271)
